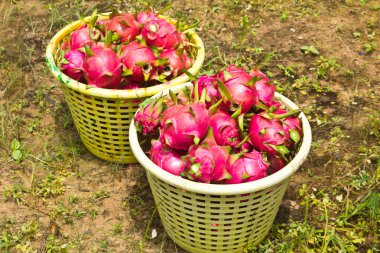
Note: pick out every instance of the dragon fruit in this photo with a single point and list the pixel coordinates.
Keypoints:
(225, 128)
(148, 117)
(261, 75)
(177, 61)
(167, 158)
(144, 17)
(265, 90)
(208, 162)
(292, 127)
(265, 93)
(250, 167)
(161, 34)
(242, 96)
(232, 72)
(266, 134)
(80, 37)
(182, 98)
(246, 147)
(102, 67)
(184, 125)
(276, 163)
(138, 61)
(211, 86)
(73, 64)
(125, 25)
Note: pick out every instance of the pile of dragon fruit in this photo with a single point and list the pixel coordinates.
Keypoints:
(228, 129)
(126, 51)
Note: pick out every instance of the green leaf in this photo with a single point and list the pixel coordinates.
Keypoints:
(241, 121)
(115, 37)
(191, 76)
(15, 144)
(281, 149)
(94, 18)
(88, 50)
(237, 113)
(304, 48)
(215, 107)
(227, 75)
(223, 90)
(146, 102)
(196, 140)
(374, 204)
(294, 135)
(173, 97)
(313, 50)
(16, 155)
(191, 111)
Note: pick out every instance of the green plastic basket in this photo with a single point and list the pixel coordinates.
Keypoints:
(102, 116)
(219, 218)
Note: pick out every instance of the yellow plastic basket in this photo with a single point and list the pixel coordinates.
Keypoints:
(102, 116)
(219, 218)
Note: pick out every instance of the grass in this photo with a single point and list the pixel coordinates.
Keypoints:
(56, 197)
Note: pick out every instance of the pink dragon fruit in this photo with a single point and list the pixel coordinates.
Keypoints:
(275, 105)
(211, 86)
(208, 162)
(148, 117)
(265, 93)
(161, 34)
(73, 64)
(182, 98)
(265, 90)
(225, 128)
(125, 25)
(231, 72)
(102, 22)
(138, 61)
(176, 62)
(184, 125)
(80, 37)
(267, 134)
(246, 147)
(144, 17)
(167, 158)
(102, 67)
(250, 167)
(261, 75)
(292, 127)
(276, 163)
(242, 96)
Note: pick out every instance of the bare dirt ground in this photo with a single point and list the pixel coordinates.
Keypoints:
(324, 55)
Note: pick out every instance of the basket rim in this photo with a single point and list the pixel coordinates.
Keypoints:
(110, 93)
(226, 189)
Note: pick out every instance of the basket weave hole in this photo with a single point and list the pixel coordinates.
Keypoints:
(200, 200)
(243, 207)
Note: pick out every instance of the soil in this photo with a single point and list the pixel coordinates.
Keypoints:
(34, 112)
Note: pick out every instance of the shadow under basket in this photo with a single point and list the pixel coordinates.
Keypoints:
(102, 116)
(202, 217)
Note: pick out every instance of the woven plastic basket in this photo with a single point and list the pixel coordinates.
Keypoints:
(219, 218)
(102, 116)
